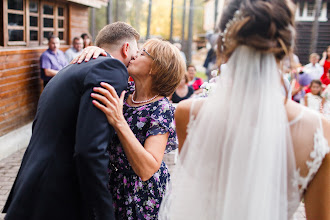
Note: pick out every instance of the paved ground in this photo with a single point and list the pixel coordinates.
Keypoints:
(10, 165)
(8, 171)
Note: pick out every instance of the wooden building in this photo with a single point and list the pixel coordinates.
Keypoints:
(304, 22)
(25, 25)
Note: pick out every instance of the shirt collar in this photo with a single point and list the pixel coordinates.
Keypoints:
(52, 52)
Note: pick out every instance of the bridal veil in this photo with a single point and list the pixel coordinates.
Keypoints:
(237, 161)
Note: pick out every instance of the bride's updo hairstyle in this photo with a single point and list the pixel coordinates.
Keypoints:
(266, 25)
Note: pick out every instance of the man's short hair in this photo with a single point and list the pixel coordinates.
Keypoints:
(52, 36)
(113, 33)
(76, 38)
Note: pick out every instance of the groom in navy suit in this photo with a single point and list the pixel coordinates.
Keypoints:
(63, 175)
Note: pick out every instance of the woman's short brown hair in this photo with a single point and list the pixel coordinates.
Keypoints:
(167, 68)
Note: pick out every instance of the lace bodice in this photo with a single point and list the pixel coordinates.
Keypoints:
(309, 150)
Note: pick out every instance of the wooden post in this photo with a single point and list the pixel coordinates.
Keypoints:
(149, 20)
(109, 12)
(190, 31)
(117, 10)
(93, 23)
(183, 43)
(171, 28)
(215, 13)
(315, 28)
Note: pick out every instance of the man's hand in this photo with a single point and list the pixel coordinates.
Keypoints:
(50, 72)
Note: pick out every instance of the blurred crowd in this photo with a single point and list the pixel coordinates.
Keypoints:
(310, 83)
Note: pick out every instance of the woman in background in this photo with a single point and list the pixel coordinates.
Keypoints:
(87, 40)
(325, 62)
(183, 91)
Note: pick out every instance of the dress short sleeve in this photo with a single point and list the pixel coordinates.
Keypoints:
(162, 121)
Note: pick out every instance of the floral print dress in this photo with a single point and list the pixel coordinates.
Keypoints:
(132, 197)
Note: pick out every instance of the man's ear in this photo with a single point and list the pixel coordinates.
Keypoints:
(125, 49)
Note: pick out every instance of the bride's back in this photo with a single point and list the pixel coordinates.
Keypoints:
(310, 133)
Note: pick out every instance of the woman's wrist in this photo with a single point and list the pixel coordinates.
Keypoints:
(120, 125)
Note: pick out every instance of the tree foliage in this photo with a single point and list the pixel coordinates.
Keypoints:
(135, 12)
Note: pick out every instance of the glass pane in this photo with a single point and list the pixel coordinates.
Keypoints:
(33, 21)
(15, 19)
(60, 11)
(301, 8)
(47, 34)
(60, 35)
(15, 4)
(60, 23)
(33, 35)
(310, 9)
(48, 10)
(15, 35)
(33, 7)
(48, 22)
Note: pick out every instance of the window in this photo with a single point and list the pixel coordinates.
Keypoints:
(16, 18)
(305, 11)
(34, 22)
(31, 22)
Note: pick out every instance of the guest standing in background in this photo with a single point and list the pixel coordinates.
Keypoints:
(325, 62)
(183, 91)
(87, 40)
(194, 81)
(179, 46)
(52, 60)
(313, 69)
(75, 50)
(313, 100)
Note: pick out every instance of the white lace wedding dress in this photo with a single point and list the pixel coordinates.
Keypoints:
(239, 157)
(310, 149)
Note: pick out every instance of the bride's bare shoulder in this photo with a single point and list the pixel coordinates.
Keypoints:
(182, 116)
(293, 109)
(189, 106)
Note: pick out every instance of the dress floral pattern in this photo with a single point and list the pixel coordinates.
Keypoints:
(132, 197)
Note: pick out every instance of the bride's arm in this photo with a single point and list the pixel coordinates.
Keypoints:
(317, 197)
(182, 116)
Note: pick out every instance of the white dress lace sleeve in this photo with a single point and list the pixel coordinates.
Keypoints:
(310, 151)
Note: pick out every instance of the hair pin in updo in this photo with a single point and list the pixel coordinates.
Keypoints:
(238, 16)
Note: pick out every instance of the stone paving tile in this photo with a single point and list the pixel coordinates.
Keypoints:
(8, 171)
(10, 165)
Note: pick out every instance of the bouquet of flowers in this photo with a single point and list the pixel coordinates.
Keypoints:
(208, 87)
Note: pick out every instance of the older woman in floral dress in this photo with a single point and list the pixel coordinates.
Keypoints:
(144, 123)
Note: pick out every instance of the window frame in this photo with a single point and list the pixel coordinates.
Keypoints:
(310, 18)
(4, 39)
(9, 27)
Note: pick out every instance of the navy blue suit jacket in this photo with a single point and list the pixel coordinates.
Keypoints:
(63, 174)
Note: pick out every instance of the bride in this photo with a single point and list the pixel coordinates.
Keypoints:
(247, 151)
